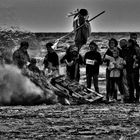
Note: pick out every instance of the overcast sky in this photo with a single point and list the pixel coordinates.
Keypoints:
(50, 15)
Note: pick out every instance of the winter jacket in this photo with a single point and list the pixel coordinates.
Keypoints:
(71, 70)
(51, 59)
(115, 66)
(92, 60)
(129, 58)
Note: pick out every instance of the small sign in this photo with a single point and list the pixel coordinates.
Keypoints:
(90, 62)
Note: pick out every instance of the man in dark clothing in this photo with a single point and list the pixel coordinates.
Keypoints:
(51, 60)
(73, 61)
(93, 61)
(21, 56)
(32, 66)
(82, 34)
(133, 68)
(123, 45)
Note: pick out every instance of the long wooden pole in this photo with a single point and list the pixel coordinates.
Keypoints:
(81, 25)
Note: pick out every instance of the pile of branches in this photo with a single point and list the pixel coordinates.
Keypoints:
(79, 92)
(62, 90)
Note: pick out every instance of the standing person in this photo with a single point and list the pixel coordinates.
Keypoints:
(72, 59)
(82, 34)
(123, 46)
(115, 67)
(51, 60)
(132, 69)
(92, 60)
(136, 65)
(21, 56)
(113, 43)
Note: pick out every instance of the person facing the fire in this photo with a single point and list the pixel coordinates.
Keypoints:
(21, 56)
(72, 60)
(51, 60)
(92, 60)
(32, 66)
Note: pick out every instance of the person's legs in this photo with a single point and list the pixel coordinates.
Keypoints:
(136, 84)
(120, 86)
(125, 85)
(130, 85)
(107, 84)
(95, 82)
(112, 88)
(89, 78)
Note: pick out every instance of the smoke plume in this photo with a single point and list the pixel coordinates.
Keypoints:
(16, 88)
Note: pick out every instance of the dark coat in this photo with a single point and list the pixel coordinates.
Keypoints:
(20, 58)
(93, 55)
(52, 58)
(33, 68)
(71, 70)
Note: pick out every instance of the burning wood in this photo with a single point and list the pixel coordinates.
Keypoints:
(68, 92)
(75, 90)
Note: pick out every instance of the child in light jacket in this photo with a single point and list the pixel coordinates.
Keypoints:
(115, 67)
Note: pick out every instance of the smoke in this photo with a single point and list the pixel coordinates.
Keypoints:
(16, 88)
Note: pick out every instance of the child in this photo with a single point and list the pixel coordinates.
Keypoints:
(113, 43)
(115, 67)
(93, 61)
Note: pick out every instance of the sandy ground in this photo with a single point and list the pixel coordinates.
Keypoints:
(98, 122)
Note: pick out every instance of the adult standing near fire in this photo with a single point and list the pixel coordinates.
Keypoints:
(133, 70)
(51, 60)
(93, 61)
(21, 56)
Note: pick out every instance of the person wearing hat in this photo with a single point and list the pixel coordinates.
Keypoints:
(21, 56)
(92, 61)
(51, 60)
(82, 34)
(72, 59)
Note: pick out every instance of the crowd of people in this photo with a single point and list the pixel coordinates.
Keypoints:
(122, 60)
